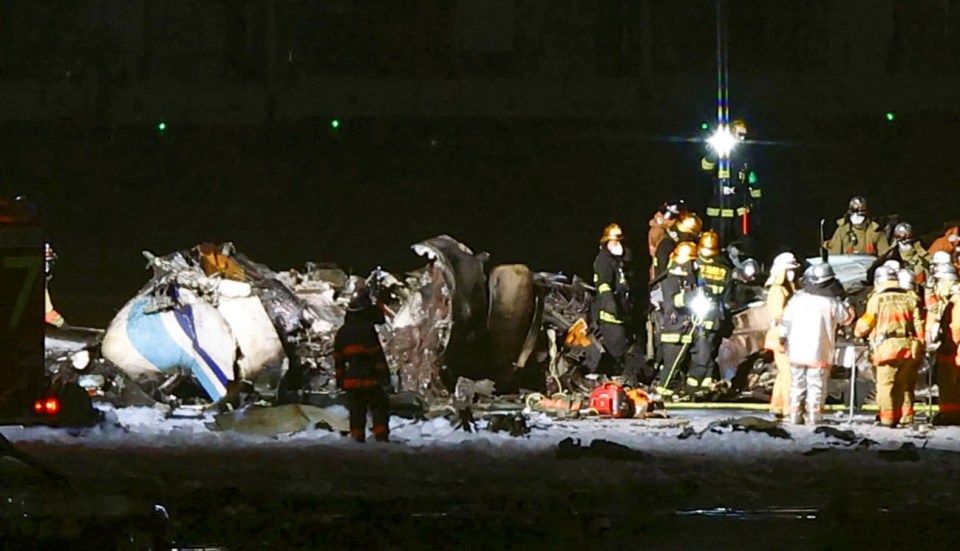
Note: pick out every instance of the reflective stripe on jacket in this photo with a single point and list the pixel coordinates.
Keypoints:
(894, 325)
(611, 282)
(358, 356)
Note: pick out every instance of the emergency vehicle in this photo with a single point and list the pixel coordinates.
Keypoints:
(27, 395)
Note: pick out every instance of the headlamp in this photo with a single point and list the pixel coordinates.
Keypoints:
(722, 141)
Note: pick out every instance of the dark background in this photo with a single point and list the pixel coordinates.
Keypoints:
(524, 187)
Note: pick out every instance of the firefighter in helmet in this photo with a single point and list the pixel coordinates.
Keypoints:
(737, 197)
(666, 216)
(909, 252)
(713, 277)
(677, 334)
(936, 291)
(894, 327)
(748, 184)
(781, 286)
(613, 297)
(808, 330)
(361, 366)
(857, 233)
(943, 337)
(687, 228)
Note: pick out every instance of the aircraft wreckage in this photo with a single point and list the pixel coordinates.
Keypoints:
(212, 316)
(213, 320)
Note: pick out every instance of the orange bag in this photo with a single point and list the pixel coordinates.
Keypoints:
(641, 402)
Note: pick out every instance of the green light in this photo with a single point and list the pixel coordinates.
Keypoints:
(891, 116)
(704, 126)
(162, 126)
(335, 123)
(752, 178)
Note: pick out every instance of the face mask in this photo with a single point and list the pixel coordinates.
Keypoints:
(904, 246)
(857, 219)
(616, 249)
(953, 238)
(791, 276)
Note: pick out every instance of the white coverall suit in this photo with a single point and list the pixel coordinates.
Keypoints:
(809, 326)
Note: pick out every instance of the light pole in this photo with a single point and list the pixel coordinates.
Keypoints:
(723, 140)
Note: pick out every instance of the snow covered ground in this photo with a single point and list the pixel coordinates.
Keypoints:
(436, 486)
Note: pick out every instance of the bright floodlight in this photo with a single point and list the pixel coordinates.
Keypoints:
(700, 305)
(722, 141)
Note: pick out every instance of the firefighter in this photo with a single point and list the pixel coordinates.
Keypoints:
(361, 367)
(666, 216)
(857, 233)
(943, 278)
(908, 252)
(713, 277)
(933, 291)
(894, 327)
(748, 184)
(741, 191)
(613, 298)
(948, 242)
(677, 334)
(808, 330)
(687, 228)
(943, 337)
(51, 315)
(781, 285)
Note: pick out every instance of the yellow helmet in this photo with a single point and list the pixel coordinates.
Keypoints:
(684, 252)
(739, 127)
(709, 244)
(611, 233)
(690, 223)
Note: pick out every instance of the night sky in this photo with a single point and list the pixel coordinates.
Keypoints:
(523, 186)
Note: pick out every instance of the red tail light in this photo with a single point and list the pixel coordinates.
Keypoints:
(51, 406)
(48, 406)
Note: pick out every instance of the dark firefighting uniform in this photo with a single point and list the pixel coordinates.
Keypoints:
(893, 323)
(362, 372)
(737, 199)
(680, 281)
(613, 308)
(661, 258)
(658, 266)
(714, 278)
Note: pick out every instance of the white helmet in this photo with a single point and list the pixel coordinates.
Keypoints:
(941, 257)
(945, 272)
(884, 274)
(783, 262)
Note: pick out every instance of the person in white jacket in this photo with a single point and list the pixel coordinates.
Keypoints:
(809, 329)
